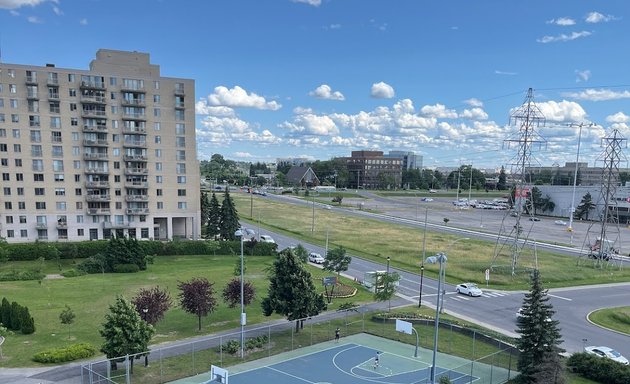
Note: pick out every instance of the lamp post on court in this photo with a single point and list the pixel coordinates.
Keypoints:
(240, 234)
(389, 302)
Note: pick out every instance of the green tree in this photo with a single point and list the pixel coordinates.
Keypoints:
(534, 200)
(67, 317)
(5, 313)
(548, 204)
(291, 291)
(502, 183)
(386, 286)
(301, 253)
(205, 209)
(121, 251)
(237, 264)
(540, 335)
(214, 218)
(196, 297)
(125, 333)
(337, 260)
(229, 218)
(585, 206)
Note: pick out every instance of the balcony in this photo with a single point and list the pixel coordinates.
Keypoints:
(136, 184)
(134, 116)
(53, 96)
(135, 143)
(31, 80)
(98, 198)
(93, 99)
(93, 113)
(52, 82)
(132, 87)
(179, 105)
(95, 143)
(119, 225)
(62, 225)
(133, 102)
(135, 157)
(137, 211)
(97, 184)
(138, 130)
(95, 156)
(32, 95)
(93, 84)
(131, 198)
(95, 128)
(97, 171)
(41, 225)
(136, 171)
(179, 91)
(98, 211)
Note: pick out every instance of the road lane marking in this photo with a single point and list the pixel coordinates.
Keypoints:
(560, 297)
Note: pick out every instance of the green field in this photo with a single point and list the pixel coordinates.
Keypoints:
(376, 240)
(90, 296)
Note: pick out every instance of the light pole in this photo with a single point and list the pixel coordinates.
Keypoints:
(424, 242)
(389, 302)
(421, 278)
(313, 222)
(440, 259)
(240, 234)
(577, 159)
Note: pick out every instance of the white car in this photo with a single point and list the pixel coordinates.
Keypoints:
(316, 258)
(469, 289)
(267, 239)
(560, 222)
(608, 353)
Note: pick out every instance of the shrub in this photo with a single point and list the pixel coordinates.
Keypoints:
(27, 323)
(599, 369)
(126, 268)
(231, 347)
(73, 273)
(256, 342)
(60, 355)
(21, 275)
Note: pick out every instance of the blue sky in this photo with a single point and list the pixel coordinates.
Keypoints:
(318, 79)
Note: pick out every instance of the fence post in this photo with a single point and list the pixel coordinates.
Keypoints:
(269, 340)
(510, 365)
(161, 366)
(492, 368)
(221, 349)
(193, 359)
(127, 367)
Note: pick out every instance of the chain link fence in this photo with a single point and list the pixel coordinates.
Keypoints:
(165, 364)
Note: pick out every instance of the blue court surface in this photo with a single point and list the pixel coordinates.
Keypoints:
(347, 364)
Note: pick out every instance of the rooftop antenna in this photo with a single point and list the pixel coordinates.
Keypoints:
(527, 118)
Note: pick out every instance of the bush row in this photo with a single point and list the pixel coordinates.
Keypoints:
(61, 355)
(233, 346)
(84, 249)
(599, 369)
(21, 275)
(16, 317)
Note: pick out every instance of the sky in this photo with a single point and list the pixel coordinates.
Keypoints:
(320, 78)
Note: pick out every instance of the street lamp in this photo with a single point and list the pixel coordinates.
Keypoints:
(389, 302)
(440, 259)
(421, 277)
(240, 234)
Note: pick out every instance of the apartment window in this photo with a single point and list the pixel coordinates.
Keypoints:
(23, 233)
(114, 109)
(158, 192)
(60, 191)
(180, 155)
(79, 219)
(180, 141)
(118, 205)
(12, 88)
(40, 191)
(181, 192)
(72, 92)
(180, 129)
(73, 106)
(36, 136)
(60, 205)
(78, 191)
(33, 106)
(157, 126)
(8, 205)
(4, 162)
(116, 164)
(15, 118)
(19, 177)
(9, 219)
(17, 148)
(75, 136)
(160, 205)
(116, 178)
(80, 232)
(115, 124)
(71, 78)
(33, 121)
(182, 205)
(55, 136)
(76, 164)
(112, 95)
(57, 151)
(156, 85)
(3, 148)
(112, 81)
(6, 191)
(55, 122)
(158, 166)
(181, 179)
(58, 165)
(156, 99)
(22, 219)
(77, 178)
(54, 107)
(38, 177)
(21, 205)
(116, 152)
(74, 121)
(38, 165)
(158, 153)
(40, 205)
(159, 179)
(2, 120)
(20, 191)
(181, 168)
(76, 151)
(5, 176)
(36, 150)
(13, 103)
(158, 139)
(157, 112)
(59, 177)
(3, 132)
(180, 115)
(10, 233)
(117, 192)
(79, 205)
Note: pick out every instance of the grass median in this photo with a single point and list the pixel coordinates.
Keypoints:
(617, 319)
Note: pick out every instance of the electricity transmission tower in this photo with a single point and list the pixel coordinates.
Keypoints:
(601, 242)
(527, 118)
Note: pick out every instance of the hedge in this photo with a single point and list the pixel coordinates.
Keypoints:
(61, 355)
(600, 369)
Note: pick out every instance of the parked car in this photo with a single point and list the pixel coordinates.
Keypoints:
(427, 199)
(316, 258)
(534, 219)
(267, 239)
(560, 222)
(607, 353)
(470, 289)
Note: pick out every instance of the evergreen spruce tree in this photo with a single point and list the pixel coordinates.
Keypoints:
(205, 209)
(27, 323)
(502, 183)
(540, 335)
(229, 218)
(5, 313)
(214, 218)
(585, 206)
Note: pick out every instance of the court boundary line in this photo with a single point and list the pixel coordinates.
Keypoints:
(293, 376)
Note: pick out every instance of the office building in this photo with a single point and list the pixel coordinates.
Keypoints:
(409, 159)
(90, 154)
(371, 169)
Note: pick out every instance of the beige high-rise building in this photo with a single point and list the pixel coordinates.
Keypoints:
(88, 154)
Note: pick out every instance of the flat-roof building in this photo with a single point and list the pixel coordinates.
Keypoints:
(89, 154)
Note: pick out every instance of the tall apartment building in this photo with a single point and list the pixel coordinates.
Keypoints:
(88, 154)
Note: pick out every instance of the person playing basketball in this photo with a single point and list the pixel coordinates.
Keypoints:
(376, 360)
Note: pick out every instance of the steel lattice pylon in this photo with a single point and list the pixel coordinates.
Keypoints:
(527, 118)
(601, 242)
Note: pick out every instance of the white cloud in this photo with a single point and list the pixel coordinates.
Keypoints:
(243, 155)
(563, 37)
(474, 114)
(302, 111)
(563, 111)
(332, 26)
(325, 92)
(562, 21)
(311, 124)
(474, 102)
(237, 97)
(438, 111)
(382, 90)
(83, 21)
(202, 108)
(498, 72)
(596, 17)
(14, 4)
(57, 11)
(34, 20)
(13, 12)
(597, 95)
(618, 117)
(314, 3)
(582, 75)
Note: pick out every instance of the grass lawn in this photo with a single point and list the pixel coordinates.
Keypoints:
(375, 240)
(90, 296)
(617, 319)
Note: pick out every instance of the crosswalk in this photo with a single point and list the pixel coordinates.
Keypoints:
(486, 294)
